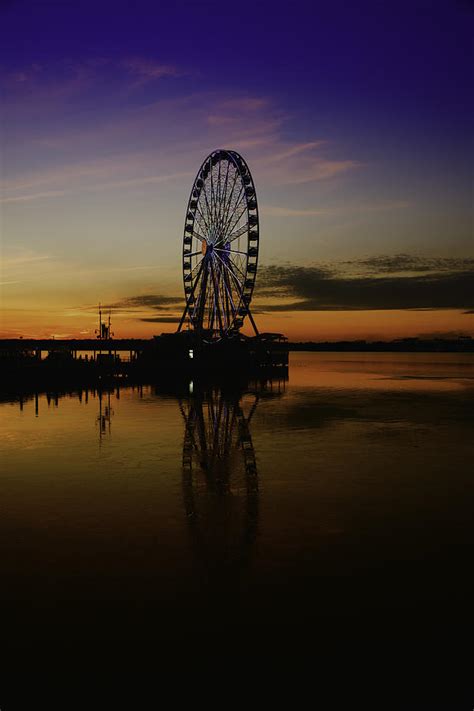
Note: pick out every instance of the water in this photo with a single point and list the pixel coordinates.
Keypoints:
(341, 499)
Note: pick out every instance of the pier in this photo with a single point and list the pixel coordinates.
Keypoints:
(174, 356)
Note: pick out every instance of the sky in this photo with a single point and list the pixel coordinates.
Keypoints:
(354, 118)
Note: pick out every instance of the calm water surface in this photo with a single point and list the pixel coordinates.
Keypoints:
(342, 497)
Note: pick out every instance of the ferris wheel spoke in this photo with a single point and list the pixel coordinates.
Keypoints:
(201, 220)
(224, 301)
(237, 280)
(218, 191)
(197, 264)
(213, 199)
(229, 202)
(208, 221)
(234, 264)
(223, 202)
(228, 291)
(234, 276)
(238, 233)
(199, 282)
(218, 195)
(234, 221)
(199, 236)
(218, 288)
(202, 207)
(232, 313)
(234, 204)
(210, 217)
(226, 251)
(206, 299)
(216, 294)
(202, 297)
(235, 198)
(227, 299)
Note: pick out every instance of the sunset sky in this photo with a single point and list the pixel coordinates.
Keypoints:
(355, 120)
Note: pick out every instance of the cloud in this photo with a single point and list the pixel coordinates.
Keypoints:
(404, 263)
(325, 288)
(32, 196)
(79, 177)
(162, 319)
(295, 150)
(137, 140)
(320, 169)
(41, 87)
(143, 307)
(146, 70)
(22, 258)
(36, 84)
(245, 103)
(280, 211)
(137, 307)
(152, 301)
(275, 211)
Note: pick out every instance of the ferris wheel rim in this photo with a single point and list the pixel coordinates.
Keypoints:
(219, 273)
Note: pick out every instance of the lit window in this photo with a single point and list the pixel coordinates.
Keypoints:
(191, 353)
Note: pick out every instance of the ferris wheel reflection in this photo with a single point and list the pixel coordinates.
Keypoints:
(220, 473)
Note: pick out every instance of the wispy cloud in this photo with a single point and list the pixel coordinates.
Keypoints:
(410, 263)
(275, 211)
(153, 301)
(147, 70)
(22, 258)
(38, 83)
(32, 196)
(141, 307)
(80, 178)
(280, 211)
(298, 149)
(271, 157)
(162, 319)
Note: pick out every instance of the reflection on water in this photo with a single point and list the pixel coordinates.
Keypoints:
(220, 484)
(344, 494)
(104, 418)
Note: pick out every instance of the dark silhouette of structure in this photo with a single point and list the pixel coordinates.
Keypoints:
(220, 247)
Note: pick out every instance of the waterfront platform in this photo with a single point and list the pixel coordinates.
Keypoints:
(185, 355)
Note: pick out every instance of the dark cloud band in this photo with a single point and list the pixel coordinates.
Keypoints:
(316, 289)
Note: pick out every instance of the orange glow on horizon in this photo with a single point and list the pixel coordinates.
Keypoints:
(296, 325)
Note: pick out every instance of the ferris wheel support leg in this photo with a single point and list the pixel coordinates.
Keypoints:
(182, 318)
(188, 300)
(253, 322)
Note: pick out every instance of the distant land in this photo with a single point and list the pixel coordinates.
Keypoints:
(463, 344)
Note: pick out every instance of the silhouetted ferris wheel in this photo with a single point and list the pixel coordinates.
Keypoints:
(220, 247)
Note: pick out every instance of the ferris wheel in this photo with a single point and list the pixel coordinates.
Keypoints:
(220, 247)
